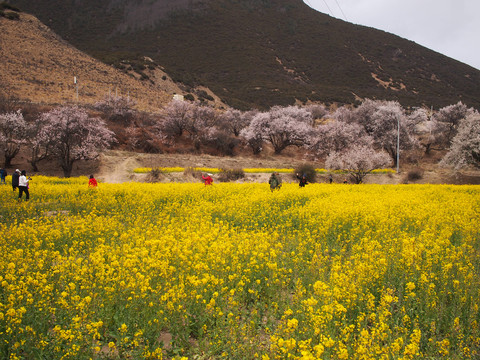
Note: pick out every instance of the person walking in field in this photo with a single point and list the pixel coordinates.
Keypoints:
(208, 179)
(275, 181)
(302, 180)
(23, 186)
(3, 175)
(15, 179)
(92, 182)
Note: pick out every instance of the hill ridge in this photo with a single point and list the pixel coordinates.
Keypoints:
(257, 53)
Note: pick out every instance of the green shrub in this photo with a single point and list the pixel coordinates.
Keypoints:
(143, 76)
(202, 94)
(6, 6)
(155, 173)
(415, 174)
(11, 15)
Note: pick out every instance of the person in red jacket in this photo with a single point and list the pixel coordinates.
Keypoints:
(92, 182)
(208, 179)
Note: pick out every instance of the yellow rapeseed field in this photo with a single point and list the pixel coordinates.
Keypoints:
(144, 170)
(235, 271)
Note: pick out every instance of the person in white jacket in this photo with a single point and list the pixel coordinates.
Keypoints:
(23, 186)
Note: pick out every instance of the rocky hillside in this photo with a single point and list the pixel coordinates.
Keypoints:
(258, 53)
(37, 65)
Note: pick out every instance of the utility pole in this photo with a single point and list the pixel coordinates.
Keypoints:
(76, 86)
(398, 143)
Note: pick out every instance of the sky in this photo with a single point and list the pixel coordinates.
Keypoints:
(450, 27)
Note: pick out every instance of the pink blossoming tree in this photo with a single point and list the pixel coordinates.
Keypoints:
(465, 149)
(40, 146)
(117, 108)
(281, 127)
(358, 161)
(449, 117)
(234, 121)
(74, 135)
(336, 136)
(12, 135)
(177, 118)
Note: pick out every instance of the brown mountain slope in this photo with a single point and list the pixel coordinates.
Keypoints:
(39, 66)
(260, 53)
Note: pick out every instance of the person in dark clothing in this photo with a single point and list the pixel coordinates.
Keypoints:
(3, 175)
(330, 178)
(15, 178)
(275, 181)
(302, 180)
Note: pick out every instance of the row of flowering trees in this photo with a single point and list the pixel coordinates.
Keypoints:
(67, 134)
(360, 139)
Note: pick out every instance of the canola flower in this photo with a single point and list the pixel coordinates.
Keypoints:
(144, 170)
(163, 271)
(268, 170)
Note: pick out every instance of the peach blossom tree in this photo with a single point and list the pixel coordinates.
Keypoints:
(358, 161)
(336, 136)
(12, 135)
(117, 108)
(74, 136)
(465, 149)
(281, 127)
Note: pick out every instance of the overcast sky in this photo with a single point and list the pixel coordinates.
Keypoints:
(450, 27)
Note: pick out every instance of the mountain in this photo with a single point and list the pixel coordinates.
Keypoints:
(259, 53)
(39, 66)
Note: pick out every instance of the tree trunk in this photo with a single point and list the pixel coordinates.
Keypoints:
(10, 152)
(67, 169)
(34, 166)
(428, 147)
(8, 161)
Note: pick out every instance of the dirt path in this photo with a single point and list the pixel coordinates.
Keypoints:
(118, 166)
(117, 169)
